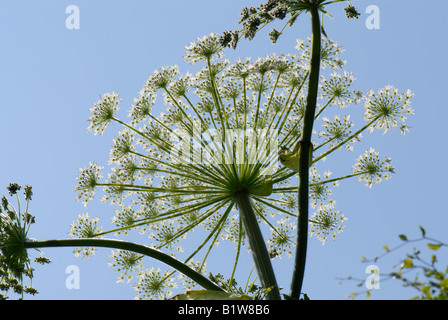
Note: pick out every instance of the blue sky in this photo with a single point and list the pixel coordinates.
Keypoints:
(50, 76)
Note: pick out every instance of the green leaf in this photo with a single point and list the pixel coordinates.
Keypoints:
(434, 246)
(408, 263)
(427, 291)
(444, 283)
(433, 259)
(264, 190)
(422, 230)
(210, 295)
(386, 248)
(403, 237)
(352, 295)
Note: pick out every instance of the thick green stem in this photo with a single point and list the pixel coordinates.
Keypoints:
(257, 245)
(129, 246)
(305, 150)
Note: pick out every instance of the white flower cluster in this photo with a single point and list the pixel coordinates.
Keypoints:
(329, 53)
(204, 49)
(326, 221)
(85, 227)
(389, 108)
(336, 89)
(371, 168)
(165, 195)
(103, 112)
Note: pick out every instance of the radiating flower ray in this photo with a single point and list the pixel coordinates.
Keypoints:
(220, 134)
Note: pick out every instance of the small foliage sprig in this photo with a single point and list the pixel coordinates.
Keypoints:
(15, 264)
(415, 270)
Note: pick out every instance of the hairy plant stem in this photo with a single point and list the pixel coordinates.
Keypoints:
(257, 245)
(129, 246)
(304, 156)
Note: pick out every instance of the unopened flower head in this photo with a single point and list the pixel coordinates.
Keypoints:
(351, 12)
(13, 188)
(255, 18)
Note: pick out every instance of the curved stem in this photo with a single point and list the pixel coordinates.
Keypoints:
(305, 150)
(129, 246)
(257, 245)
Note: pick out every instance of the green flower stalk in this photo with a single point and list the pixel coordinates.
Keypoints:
(128, 246)
(381, 112)
(15, 263)
(304, 157)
